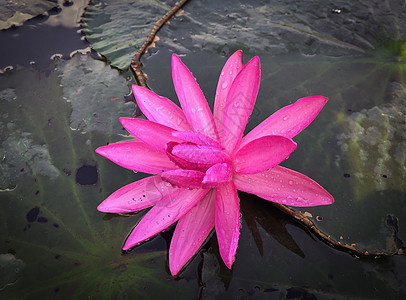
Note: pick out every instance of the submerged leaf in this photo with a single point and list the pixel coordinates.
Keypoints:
(374, 145)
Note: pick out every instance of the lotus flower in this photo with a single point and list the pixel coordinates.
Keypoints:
(200, 160)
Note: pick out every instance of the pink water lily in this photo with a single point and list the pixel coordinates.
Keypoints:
(200, 160)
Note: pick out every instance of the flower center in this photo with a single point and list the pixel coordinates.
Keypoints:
(196, 157)
(202, 162)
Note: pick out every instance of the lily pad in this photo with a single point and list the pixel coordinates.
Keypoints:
(118, 36)
(334, 28)
(48, 216)
(14, 13)
(85, 92)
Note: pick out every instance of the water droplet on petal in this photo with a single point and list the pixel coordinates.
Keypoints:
(290, 182)
(285, 118)
(224, 85)
(222, 73)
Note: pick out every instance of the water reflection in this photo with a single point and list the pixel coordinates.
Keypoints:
(256, 212)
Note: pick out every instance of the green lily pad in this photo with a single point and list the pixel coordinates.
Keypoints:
(15, 13)
(85, 92)
(336, 28)
(117, 29)
(49, 220)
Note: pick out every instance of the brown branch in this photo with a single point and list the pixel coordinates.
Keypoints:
(136, 64)
(328, 240)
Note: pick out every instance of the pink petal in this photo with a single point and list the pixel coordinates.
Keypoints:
(239, 104)
(289, 120)
(137, 195)
(230, 70)
(184, 178)
(196, 138)
(227, 221)
(163, 214)
(203, 156)
(191, 231)
(137, 156)
(153, 134)
(182, 163)
(284, 186)
(159, 109)
(192, 100)
(217, 175)
(263, 154)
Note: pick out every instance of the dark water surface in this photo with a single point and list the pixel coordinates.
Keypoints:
(42, 37)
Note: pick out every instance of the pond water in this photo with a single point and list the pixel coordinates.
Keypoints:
(54, 244)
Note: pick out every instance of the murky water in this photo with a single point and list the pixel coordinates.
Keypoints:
(55, 34)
